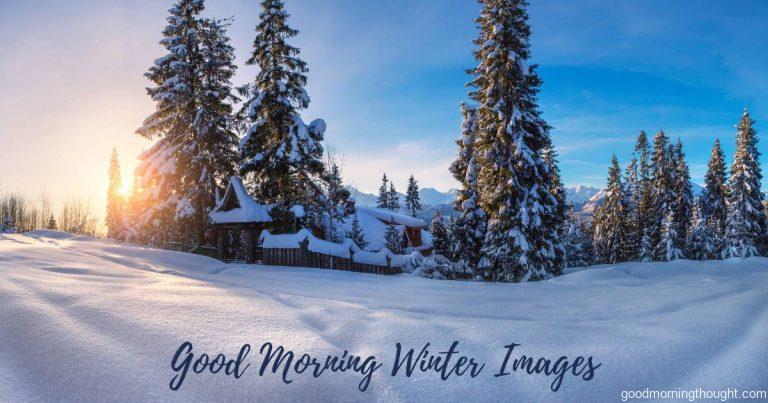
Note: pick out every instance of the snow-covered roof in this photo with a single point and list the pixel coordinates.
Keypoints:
(238, 207)
(389, 215)
(283, 241)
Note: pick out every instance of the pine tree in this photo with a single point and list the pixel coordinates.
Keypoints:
(558, 219)
(713, 199)
(393, 238)
(281, 154)
(670, 246)
(392, 198)
(383, 200)
(646, 253)
(683, 202)
(576, 244)
(632, 200)
(702, 240)
(211, 157)
(745, 222)
(663, 194)
(115, 219)
(356, 234)
(514, 181)
(440, 242)
(336, 199)
(177, 85)
(412, 199)
(469, 230)
(644, 198)
(610, 234)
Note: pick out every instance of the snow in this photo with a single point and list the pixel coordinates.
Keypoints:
(249, 211)
(92, 320)
(388, 215)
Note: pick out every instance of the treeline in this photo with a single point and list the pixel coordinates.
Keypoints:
(19, 214)
(649, 212)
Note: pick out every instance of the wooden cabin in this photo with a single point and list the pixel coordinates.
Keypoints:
(238, 220)
(411, 227)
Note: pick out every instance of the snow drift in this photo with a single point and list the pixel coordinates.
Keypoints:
(85, 319)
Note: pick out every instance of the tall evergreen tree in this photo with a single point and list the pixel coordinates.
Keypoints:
(469, 230)
(558, 218)
(745, 222)
(683, 204)
(383, 200)
(712, 202)
(393, 199)
(336, 202)
(412, 199)
(610, 234)
(514, 181)
(644, 197)
(115, 219)
(177, 86)
(211, 157)
(281, 155)
(632, 200)
(663, 194)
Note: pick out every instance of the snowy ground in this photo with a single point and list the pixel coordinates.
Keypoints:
(95, 320)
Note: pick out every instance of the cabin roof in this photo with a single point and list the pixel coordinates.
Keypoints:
(238, 207)
(388, 215)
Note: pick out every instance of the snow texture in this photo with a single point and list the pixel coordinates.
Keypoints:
(91, 320)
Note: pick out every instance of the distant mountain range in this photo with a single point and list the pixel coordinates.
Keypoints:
(583, 198)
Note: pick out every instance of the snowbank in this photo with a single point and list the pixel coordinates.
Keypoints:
(96, 320)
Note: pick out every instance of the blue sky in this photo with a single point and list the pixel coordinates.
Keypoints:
(388, 77)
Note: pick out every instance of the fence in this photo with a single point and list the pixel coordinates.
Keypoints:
(302, 249)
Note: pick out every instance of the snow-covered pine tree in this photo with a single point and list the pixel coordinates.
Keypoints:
(383, 200)
(336, 198)
(575, 242)
(281, 154)
(412, 199)
(712, 202)
(670, 246)
(646, 253)
(469, 230)
(644, 201)
(702, 241)
(663, 194)
(745, 222)
(177, 83)
(115, 218)
(440, 241)
(558, 219)
(211, 157)
(683, 204)
(393, 238)
(393, 199)
(610, 232)
(356, 234)
(632, 198)
(513, 179)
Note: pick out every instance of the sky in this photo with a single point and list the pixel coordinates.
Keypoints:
(388, 78)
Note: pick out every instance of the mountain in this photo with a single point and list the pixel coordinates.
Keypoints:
(597, 199)
(429, 197)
